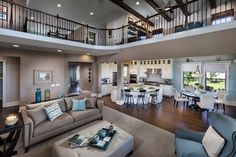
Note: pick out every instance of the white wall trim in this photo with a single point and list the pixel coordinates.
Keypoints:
(12, 103)
(4, 83)
(120, 102)
(99, 95)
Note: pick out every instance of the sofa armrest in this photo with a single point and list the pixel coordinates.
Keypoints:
(190, 135)
(100, 104)
(28, 126)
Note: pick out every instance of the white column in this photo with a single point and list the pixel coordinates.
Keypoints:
(96, 79)
(120, 82)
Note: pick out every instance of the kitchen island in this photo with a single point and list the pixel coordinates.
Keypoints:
(135, 92)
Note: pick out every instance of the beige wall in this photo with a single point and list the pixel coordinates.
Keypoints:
(33, 60)
(12, 81)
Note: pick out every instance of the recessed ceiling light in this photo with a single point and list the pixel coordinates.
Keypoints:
(59, 5)
(137, 3)
(59, 50)
(91, 13)
(88, 54)
(16, 45)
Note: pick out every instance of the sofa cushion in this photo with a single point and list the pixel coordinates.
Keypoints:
(186, 147)
(79, 115)
(69, 101)
(38, 115)
(61, 103)
(53, 111)
(48, 126)
(78, 105)
(213, 142)
(90, 102)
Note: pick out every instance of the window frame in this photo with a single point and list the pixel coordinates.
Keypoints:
(228, 63)
(205, 78)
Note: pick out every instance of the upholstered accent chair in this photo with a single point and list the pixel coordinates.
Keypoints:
(189, 143)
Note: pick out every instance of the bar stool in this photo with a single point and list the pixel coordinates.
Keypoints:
(128, 97)
(154, 97)
(141, 96)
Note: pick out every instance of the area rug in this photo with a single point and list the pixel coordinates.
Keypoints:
(150, 141)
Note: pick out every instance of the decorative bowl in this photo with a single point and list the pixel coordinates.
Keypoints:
(11, 119)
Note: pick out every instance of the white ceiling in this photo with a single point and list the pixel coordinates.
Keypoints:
(79, 10)
(104, 10)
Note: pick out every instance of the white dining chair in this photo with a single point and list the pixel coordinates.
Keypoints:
(207, 102)
(178, 98)
(221, 96)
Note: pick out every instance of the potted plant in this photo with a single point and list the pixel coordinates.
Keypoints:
(198, 88)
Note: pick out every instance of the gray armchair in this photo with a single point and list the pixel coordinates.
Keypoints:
(189, 143)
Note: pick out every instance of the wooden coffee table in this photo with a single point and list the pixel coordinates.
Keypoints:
(121, 145)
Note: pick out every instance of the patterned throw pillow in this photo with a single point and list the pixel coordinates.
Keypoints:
(53, 111)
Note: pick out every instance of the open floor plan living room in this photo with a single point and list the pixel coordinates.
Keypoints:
(117, 78)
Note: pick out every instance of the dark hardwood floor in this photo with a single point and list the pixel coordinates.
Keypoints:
(167, 116)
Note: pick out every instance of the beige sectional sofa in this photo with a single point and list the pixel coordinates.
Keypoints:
(36, 132)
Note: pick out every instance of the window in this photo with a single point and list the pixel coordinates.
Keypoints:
(216, 76)
(222, 20)
(189, 79)
(222, 17)
(215, 81)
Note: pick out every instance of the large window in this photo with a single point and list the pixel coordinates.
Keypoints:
(189, 79)
(222, 20)
(215, 81)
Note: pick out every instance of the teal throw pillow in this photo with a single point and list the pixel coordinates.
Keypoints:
(78, 105)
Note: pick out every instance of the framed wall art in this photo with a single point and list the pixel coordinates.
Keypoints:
(43, 77)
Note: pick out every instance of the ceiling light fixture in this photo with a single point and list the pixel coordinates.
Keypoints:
(59, 50)
(59, 5)
(16, 45)
(31, 17)
(91, 13)
(167, 8)
(137, 3)
(88, 54)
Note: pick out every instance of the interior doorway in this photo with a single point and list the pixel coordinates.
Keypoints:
(74, 74)
(80, 77)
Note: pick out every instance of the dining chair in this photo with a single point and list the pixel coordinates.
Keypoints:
(207, 102)
(154, 97)
(178, 98)
(141, 96)
(221, 96)
(129, 98)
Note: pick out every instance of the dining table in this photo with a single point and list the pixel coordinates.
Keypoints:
(195, 97)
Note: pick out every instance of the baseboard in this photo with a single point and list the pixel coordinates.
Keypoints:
(12, 103)
(99, 95)
(119, 102)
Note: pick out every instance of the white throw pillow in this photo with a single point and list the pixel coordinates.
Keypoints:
(53, 111)
(213, 142)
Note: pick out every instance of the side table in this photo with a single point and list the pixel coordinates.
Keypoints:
(9, 136)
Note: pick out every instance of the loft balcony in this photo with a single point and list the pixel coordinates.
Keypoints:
(201, 15)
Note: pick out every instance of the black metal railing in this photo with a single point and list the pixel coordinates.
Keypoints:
(196, 14)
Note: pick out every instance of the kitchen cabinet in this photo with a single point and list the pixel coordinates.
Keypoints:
(167, 90)
(105, 89)
(167, 69)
